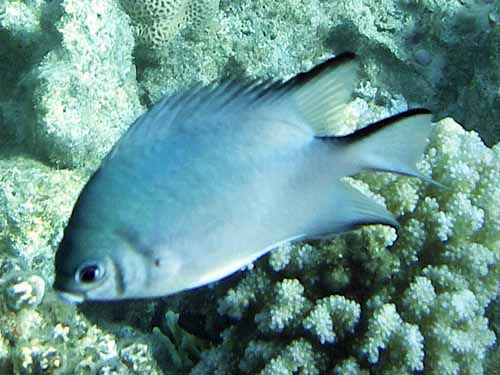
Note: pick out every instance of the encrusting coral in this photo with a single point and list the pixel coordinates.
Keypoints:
(86, 84)
(77, 98)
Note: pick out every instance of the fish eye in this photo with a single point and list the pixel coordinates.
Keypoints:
(89, 273)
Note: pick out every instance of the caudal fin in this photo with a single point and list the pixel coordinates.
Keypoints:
(394, 144)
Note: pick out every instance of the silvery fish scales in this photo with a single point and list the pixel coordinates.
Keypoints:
(209, 180)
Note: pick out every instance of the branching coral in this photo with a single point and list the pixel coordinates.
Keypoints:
(387, 332)
(332, 317)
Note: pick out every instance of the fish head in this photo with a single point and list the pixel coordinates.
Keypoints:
(97, 264)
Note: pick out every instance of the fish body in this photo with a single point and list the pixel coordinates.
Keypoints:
(211, 179)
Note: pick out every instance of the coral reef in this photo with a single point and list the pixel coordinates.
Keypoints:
(374, 301)
(85, 93)
(493, 359)
(39, 334)
(54, 339)
(279, 38)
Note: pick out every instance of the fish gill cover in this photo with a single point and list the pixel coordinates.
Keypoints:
(422, 299)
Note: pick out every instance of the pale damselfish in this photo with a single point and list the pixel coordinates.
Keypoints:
(209, 180)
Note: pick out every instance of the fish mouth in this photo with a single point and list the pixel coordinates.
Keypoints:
(71, 297)
(60, 286)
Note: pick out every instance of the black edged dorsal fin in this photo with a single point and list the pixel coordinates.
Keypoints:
(318, 96)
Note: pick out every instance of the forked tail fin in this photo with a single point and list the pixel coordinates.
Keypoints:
(394, 144)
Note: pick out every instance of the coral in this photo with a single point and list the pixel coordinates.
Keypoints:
(39, 334)
(156, 22)
(85, 94)
(21, 292)
(52, 338)
(279, 37)
(493, 359)
(287, 306)
(33, 212)
(78, 96)
(349, 367)
(296, 357)
(387, 332)
(22, 18)
(429, 43)
(332, 317)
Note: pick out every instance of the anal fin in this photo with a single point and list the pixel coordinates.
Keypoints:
(348, 209)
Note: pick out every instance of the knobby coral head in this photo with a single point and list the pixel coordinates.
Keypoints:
(156, 22)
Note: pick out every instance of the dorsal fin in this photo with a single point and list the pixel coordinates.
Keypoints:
(321, 94)
(197, 99)
(318, 96)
